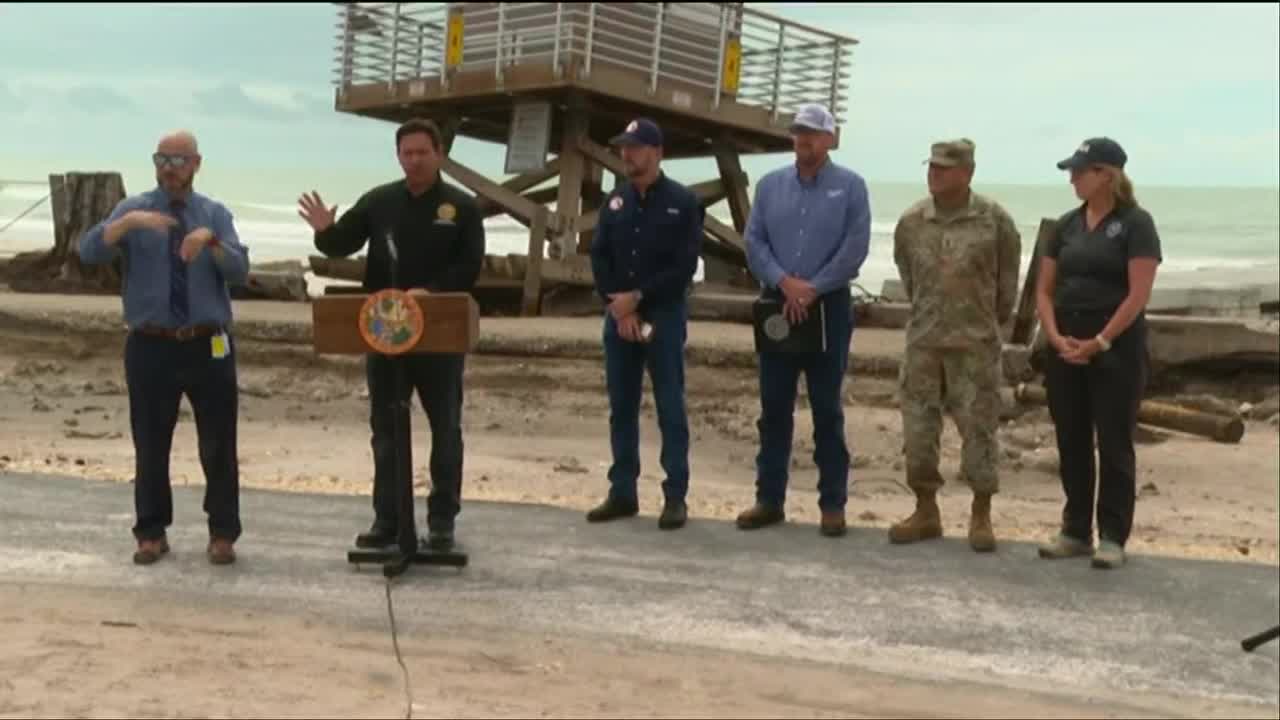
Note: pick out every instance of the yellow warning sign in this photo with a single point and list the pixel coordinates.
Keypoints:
(453, 45)
(732, 70)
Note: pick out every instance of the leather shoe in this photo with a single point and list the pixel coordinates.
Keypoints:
(674, 515)
(440, 540)
(150, 551)
(220, 552)
(377, 537)
(759, 516)
(833, 524)
(612, 509)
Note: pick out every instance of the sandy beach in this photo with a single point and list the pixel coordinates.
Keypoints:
(535, 429)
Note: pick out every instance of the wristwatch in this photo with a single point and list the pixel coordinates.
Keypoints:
(1105, 343)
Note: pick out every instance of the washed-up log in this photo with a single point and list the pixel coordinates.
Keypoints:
(290, 286)
(79, 201)
(351, 269)
(1165, 415)
(497, 271)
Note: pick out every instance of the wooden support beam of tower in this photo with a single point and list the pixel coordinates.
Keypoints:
(725, 234)
(533, 268)
(602, 155)
(573, 168)
(519, 184)
(735, 182)
(514, 203)
(709, 192)
(592, 196)
(537, 197)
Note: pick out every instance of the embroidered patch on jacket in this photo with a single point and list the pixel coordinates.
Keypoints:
(1114, 228)
(446, 212)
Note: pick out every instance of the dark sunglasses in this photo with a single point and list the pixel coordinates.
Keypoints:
(174, 161)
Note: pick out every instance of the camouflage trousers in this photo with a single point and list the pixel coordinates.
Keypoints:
(965, 384)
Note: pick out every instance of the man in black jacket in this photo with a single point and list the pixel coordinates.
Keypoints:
(643, 259)
(438, 238)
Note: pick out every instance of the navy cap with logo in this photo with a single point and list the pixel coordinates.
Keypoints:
(641, 131)
(1096, 151)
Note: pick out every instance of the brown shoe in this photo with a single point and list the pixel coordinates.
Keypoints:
(220, 552)
(924, 524)
(982, 537)
(150, 551)
(760, 515)
(833, 524)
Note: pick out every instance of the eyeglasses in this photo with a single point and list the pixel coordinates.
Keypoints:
(173, 161)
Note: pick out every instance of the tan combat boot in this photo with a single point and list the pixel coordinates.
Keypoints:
(981, 537)
(924, 524)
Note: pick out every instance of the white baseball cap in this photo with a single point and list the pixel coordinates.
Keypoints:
(814, 117)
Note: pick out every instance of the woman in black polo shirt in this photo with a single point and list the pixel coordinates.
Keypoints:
(1095, 280)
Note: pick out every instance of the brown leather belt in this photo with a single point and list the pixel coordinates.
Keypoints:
(191, 332)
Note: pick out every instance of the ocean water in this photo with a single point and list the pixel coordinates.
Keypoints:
(1211, 237)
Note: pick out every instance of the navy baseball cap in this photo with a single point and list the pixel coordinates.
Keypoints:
(641, 131)
(1096, 151)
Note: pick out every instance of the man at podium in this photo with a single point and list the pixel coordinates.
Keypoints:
(429, 236)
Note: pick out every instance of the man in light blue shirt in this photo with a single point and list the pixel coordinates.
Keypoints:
(180, 252)
(807, 237)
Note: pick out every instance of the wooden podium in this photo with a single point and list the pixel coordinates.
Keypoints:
(396, 323)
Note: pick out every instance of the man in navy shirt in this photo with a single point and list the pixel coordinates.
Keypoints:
(643, 258)
(807, 238)
(180, 252)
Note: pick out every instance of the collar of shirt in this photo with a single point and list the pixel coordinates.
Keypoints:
(164, 200)
(431, 192)
(823, 171)
(1079, 221)
(631, 194)
(931, 210)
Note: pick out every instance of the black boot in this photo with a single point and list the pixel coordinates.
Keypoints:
(674, 515)
(379, 536)
(440, 539)
(612, 509)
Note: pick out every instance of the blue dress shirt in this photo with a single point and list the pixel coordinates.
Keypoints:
(148, 263)
(816, 230)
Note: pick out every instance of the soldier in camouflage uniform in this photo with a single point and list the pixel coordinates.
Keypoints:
(958, 254)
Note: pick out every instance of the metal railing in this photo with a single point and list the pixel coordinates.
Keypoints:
(782, 64)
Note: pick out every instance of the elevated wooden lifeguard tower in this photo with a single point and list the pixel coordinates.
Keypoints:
(560, 79)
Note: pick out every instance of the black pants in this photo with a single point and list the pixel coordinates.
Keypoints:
(438, 381)
(159, 371)
(1103, 396)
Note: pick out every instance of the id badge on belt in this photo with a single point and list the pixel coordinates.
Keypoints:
(221, 345)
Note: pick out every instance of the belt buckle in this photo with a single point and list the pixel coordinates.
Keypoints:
(185, 333)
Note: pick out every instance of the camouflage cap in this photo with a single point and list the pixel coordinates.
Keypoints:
(952, 153)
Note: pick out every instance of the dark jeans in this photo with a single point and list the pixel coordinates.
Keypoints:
(159, 371)
(824, 373)
(438, 381)
(625, 363)
(1103, 396)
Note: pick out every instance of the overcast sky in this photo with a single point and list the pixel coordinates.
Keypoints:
(1191, 91)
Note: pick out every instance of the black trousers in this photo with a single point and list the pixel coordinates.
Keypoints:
(438, 381)
(1102, 396)
(159, 371)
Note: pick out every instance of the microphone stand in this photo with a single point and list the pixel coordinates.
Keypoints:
(408, 547)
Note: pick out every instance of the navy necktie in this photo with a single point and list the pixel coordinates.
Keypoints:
(177, 268)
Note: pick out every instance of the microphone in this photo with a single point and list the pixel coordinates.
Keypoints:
(393, 257)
